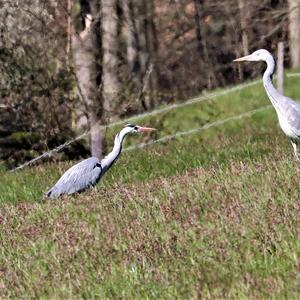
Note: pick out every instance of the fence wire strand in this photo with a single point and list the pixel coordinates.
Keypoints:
(160, 111)
(160, 140)
(199, 129)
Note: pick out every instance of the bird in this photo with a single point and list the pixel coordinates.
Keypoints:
(288, 111)
(88, 172)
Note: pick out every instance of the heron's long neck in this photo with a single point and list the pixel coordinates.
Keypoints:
(272, 93)
(108, 160)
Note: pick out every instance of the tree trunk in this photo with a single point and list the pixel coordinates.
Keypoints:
(140, 13)
(110, 80)
(243, 16)
(202, 43)
(152, 47)
(142, 48)
(85, 48)
(69, 29)
(294, 32)
(132, 39)
(135, 35)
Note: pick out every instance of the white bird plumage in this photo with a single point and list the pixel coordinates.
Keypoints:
(288, 111)
(89, 171)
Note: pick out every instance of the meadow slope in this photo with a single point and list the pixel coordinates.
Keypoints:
(211, 215)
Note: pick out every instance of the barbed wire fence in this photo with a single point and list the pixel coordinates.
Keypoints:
(165, 109)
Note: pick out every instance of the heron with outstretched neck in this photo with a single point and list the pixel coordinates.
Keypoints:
(288, 111)
(89, 171)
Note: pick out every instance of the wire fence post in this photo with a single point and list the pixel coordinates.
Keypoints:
(280, 66)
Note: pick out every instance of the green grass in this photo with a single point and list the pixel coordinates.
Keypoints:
(212, 215)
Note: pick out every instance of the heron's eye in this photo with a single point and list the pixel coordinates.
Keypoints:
(135, 128)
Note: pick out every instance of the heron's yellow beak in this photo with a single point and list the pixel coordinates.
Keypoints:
(145, 129)
(244, 58)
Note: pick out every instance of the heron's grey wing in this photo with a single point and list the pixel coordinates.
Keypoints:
(77, 178)
(292, 111)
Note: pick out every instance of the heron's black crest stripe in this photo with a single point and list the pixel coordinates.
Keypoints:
(130, 125)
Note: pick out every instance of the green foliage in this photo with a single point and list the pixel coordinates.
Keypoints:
(213, 215)
(21, 137)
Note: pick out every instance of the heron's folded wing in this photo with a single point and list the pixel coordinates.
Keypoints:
(292, 111)
(79, 177)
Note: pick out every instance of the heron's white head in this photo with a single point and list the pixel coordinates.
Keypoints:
(130, 128)
(258, 55)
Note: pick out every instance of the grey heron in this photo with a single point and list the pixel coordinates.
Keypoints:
(88, 172)
(288, 111)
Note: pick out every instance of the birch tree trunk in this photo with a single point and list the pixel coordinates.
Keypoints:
(294, 32)
(85, 47)
(110, 80)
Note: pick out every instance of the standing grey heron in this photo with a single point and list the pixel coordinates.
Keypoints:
(89, 171)
(288, 111)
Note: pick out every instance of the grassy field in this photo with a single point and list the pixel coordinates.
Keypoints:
(211, 215)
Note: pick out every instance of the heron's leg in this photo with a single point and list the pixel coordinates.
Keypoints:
(295, 149)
